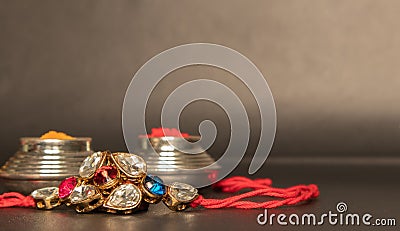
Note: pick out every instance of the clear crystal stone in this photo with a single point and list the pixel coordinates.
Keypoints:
(43, 193)
(82, 193)
(131, 164)
(90, 164)
(183, 192)
(126, 196)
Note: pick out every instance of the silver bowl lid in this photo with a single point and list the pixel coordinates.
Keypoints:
(175, 155)
(43, 162)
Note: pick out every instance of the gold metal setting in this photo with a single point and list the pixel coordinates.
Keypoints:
(47, 204)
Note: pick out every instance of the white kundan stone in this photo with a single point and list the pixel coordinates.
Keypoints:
(82, 193)
(131, 164)
(90, 164)
(126, 196)
(183, 192)
(43, 193)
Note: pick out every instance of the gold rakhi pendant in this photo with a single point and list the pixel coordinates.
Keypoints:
(115, 183)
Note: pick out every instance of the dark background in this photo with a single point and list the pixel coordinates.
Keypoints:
(332, 66)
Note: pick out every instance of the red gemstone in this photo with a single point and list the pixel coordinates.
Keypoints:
(66, 187)
(105, 174)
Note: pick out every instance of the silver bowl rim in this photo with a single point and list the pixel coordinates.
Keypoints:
(27, 140)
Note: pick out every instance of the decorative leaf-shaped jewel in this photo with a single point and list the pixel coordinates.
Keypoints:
(183, 192)
(90, 164)
(126, 196)
(82, 193)
(44, 193)
(46, 198)
(130, 164)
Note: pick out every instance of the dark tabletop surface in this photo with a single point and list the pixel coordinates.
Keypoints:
(365, 186)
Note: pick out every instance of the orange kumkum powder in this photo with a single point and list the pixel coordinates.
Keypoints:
(56, 135)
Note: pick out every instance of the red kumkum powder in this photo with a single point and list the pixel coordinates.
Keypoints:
(161, 132)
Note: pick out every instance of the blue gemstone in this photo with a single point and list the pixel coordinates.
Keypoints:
(155, 185)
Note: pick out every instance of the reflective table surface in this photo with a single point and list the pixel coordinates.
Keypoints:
(366, 186)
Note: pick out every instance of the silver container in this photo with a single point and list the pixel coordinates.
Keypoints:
(174, 155)
(42, 163)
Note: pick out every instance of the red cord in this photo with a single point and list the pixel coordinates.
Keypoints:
(14, 199)
(260, 187)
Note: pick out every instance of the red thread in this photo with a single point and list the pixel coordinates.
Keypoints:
(14, 199)
(260, 187)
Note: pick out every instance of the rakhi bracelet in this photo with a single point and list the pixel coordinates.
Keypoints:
(118, 183)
